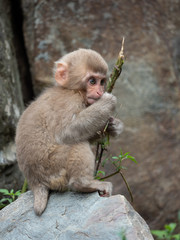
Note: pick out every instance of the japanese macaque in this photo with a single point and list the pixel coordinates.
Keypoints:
(54, 133)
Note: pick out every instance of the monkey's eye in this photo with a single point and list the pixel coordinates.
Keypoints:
(103, 81)
(92, 81)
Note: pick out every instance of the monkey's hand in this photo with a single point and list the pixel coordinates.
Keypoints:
(115, 127)
(108, 102)
(105, 189)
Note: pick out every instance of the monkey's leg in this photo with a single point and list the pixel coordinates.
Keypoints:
(81, 170)
(90, 185)
(40, 198)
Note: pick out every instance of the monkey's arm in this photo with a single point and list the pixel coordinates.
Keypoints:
(89, 121)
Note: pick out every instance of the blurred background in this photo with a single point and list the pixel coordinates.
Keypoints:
(35, 33)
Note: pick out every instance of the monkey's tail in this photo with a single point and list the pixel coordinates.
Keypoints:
(41, 193)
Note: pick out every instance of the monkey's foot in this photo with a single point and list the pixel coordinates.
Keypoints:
(105, 189)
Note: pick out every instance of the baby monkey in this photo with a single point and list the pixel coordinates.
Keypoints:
(54, 133)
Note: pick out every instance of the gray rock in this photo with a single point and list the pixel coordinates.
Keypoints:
(73, 216)
(11, 104)
(10, 94)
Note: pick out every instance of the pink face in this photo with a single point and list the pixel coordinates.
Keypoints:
(95, 87)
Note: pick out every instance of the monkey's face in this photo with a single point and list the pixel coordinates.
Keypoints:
(95, 88)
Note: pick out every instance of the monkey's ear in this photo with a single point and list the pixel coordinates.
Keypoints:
(61, 74)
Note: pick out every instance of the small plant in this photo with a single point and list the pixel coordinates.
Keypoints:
(168, 232)
(12, 196)
(117, 162)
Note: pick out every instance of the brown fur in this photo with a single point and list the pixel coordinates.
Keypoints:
(52, 140)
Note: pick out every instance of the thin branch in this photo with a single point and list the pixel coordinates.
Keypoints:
(127, 185)
(110, 175)
(97, 151)
(112, 79)
(99, 159)
(116, 70)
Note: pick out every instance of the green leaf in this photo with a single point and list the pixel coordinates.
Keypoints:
(126, 154)
(115, 157)
(4, 191)
(2, 205)
(18, 193)
(131, 158)
(120, 156)
(161, 234)
(176, 236)
(101, 172)
(9, 200)
(170, 227)
(3, 200)
(12, 191)
(97, 177)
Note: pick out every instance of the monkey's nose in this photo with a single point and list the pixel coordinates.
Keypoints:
(99, 93)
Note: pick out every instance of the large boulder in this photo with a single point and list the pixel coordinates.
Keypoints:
(149, 89)
(71, 216)
(11, 104)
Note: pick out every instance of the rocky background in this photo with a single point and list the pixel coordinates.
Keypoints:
(35, 33)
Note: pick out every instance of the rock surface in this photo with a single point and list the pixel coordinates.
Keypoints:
(73, 216)
(11, 104)
(148, 91)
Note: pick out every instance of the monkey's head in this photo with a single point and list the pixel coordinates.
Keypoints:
(84, 70)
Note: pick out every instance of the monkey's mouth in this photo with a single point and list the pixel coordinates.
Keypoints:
(92, 100)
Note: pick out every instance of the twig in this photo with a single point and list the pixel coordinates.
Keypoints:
(97, 150)
(112, 79)
(100, 158)
(127, 185)
(110, 175)
(116, 70)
